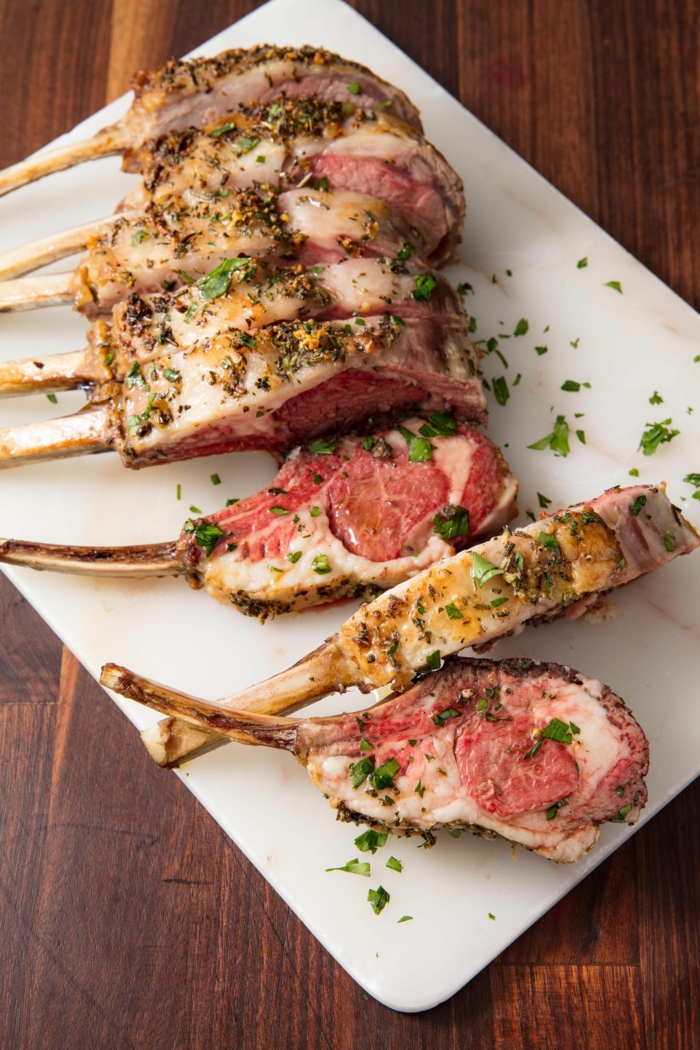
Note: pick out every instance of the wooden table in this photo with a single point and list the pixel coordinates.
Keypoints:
(127, 918)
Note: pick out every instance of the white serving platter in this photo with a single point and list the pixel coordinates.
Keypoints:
(626, 345)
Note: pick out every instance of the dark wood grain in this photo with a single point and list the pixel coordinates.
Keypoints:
(127, 917)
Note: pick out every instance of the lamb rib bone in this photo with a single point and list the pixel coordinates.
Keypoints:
(200, 90)
(573, 756)
(348, 517)
(603, 544)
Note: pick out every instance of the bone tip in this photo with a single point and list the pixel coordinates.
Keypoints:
(113, 677)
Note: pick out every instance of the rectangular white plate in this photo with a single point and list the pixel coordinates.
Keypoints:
(627, 345)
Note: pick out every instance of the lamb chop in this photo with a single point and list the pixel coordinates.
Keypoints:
(557, 566)
(196, 384)
(168, 244)
(202, 90)
(347, 517)
(190, 176)
(535, 753)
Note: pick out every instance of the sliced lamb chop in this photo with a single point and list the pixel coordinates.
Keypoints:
(198, 91)
(234, 391)
(166, 246)
(346, 517)
(557, 566)
(535, 753)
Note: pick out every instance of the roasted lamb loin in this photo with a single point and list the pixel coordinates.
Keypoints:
(188, 205)
(193, 92)
(347, 517)
(534, 753)
(557, 566)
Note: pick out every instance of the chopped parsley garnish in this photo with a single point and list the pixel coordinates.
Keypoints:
(451, 522)
(318, 270)
(383, 776)
(223, 129)
(558, 440)
(405, 252)
(541, 350)
(440, 424)
(230, 502)
(497, 601)
(321, 565)
(215, 479)
(425, 283)
(482, 571)
(216, 283)
(441, 717)
(52, 398)
(171, 375)
(419, 789)
(318, 479)
(433, 660)
(670, 540)
(359, 771)
(405, 918)
(206, 534)
(315, 511)
(472, 323)
(137, 237)
(552, 811)
(419, 449)
(379, 899)
(365, 745)
(260, 159)
(278, 510)
(500, 390)
(355, 867)
(464, 289)
(178, 491)
(582, 263)
(656, 399)
(656, 434)
(614, 284)
(394, 864)
(543, 501)
(581, 435)
(322, 184)
(354, 89)
(621, 814)
(370, 841)
(294, 557)
(246, 145)
(195, 510)
(589, 518)
(453, 612)
(551, 542)
(247, 340)
(638, 504)
(322, 448)
(521, 327)
(559, 731)
(571, 386)
(634, 473)
(491, 916)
